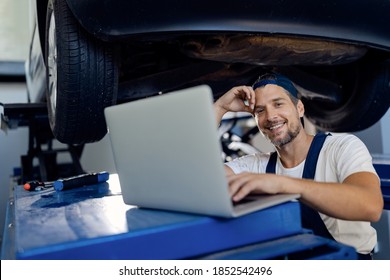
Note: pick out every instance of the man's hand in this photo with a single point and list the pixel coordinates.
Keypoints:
(358, 198)
(240, 185)
(238, 99)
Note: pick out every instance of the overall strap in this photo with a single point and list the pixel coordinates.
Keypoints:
(310, 218)
(271, 165)
(309, 169)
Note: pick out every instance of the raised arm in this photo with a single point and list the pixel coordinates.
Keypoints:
(237, 99)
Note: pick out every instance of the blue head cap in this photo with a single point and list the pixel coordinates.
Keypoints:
(276, 79)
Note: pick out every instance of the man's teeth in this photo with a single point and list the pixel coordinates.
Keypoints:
(276, 126)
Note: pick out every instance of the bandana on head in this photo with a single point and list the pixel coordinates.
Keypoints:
(279, 80)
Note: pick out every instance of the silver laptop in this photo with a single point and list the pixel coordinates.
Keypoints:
(168, 155)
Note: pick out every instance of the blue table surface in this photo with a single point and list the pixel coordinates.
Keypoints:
(92, 222)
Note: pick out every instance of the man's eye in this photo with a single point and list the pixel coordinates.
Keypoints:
(259, 111)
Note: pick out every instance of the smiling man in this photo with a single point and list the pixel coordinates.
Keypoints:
(339, 188)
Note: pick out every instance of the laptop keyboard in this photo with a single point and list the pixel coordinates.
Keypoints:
(244, 200)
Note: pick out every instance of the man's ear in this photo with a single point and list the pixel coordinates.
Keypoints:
(300, 108)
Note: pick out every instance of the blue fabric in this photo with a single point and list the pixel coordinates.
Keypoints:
(281, 81)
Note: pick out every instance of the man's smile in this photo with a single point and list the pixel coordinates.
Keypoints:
(275, 126)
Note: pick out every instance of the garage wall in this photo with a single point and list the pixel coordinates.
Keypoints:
(12, 144)
(380, 144)
(15, 36)
(386, 133)
(14, 29)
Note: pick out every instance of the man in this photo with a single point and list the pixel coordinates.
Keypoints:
(346, 189)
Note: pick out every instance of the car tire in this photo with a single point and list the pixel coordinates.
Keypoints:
(82, 78)
(369, 101)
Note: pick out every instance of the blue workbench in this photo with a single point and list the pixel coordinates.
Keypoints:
(92, 222)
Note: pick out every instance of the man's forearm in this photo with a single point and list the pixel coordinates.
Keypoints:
(357, 198)
(219, 113)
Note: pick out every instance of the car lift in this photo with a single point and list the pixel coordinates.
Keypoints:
(40, 146)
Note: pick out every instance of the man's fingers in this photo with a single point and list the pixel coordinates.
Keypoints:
(250, 97)
(240, 185)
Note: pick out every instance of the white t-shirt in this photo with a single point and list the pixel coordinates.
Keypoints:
(340, 156)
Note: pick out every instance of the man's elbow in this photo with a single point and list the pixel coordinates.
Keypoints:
(375, 211)
(228, 170)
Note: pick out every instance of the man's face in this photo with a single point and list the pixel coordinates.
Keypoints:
(276, 115)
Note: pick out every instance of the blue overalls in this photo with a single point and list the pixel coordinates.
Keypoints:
(311, 218)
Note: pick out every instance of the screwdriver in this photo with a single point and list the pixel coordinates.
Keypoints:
(70, 182)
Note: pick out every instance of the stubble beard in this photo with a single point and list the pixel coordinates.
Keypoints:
(290, 136)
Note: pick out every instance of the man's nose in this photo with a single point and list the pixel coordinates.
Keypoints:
(270, 113)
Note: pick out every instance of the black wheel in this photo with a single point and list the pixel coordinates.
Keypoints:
(369, 84)
(82, 78)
